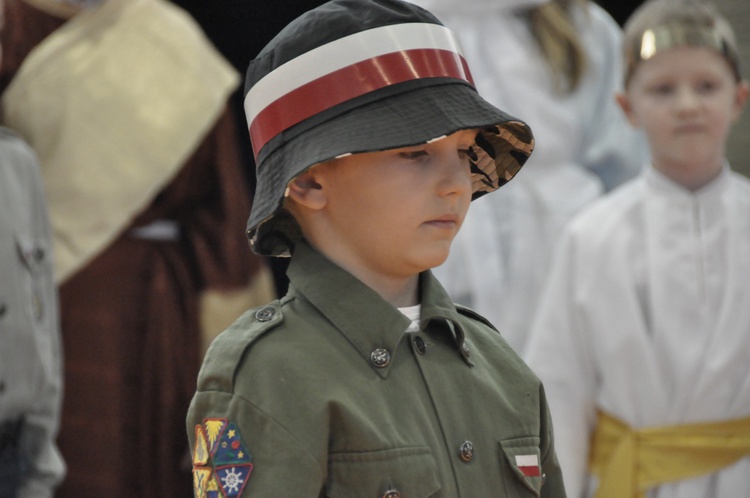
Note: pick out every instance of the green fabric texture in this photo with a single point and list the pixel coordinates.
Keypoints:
(321, 418)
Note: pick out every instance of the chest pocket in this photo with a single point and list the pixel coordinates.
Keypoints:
(396, 473)
(521, 467)
(31, 256)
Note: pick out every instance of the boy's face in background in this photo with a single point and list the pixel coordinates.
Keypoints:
(396, 212)
(686, 100)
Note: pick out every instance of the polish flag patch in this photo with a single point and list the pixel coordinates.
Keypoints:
(528, 465)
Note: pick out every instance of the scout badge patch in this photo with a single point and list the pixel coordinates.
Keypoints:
(221, 462)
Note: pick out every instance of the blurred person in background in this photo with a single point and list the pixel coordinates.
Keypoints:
(31, 380)
(30, 356)
(565, 59)
(125, 103)
(641, 337)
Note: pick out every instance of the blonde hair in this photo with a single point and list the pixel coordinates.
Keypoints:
(557, 37)
(679, 22)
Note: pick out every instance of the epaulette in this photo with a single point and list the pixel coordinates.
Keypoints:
(470, 313)
(226, 351)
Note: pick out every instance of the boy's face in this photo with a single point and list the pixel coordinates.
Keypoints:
(395, 213)
(686, 100)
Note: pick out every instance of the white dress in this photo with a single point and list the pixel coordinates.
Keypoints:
(647, 317)
(584, 146)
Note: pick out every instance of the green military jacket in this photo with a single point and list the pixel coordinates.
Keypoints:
(324, 394)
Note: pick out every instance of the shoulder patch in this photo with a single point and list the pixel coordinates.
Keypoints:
(470, 313)
(200, 452)
(227, 350)
(226, 470)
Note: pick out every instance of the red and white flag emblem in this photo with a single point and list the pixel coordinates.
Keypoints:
(528, 465)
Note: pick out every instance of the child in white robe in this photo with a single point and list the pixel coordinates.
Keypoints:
(643, 334)
(561, 68)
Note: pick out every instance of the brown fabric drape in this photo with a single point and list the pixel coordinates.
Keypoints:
(130, 320)
(131, 333)
(25, 27)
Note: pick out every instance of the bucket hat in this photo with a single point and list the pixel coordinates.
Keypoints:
(356, 76)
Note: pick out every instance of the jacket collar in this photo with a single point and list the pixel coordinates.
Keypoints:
(666, 186)
(367, 320)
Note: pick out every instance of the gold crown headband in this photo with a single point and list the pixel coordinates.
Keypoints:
(656, 40)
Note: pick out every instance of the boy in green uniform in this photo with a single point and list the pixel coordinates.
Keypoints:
(365, 379)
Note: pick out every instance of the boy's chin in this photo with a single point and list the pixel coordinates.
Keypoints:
(435, 260)
(691, 178)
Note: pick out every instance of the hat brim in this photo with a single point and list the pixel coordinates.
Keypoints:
(388, 119)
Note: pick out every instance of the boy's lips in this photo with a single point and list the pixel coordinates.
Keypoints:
(690, 128)
(446, 221)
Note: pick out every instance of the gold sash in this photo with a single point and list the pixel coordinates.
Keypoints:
(114, 102)
(628, 462)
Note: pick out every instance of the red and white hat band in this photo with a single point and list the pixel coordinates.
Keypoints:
(348, 68)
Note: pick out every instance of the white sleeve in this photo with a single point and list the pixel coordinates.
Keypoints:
(559, 352)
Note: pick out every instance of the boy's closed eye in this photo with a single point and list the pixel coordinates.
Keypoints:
(413, 154)
(707, 86)
(464, 154)
(662, 89)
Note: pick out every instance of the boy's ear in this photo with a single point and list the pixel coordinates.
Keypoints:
(743, 89)
(305, 190)
(627, 107)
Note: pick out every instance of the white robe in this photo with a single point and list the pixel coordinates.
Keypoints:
(584, 146)
(646, 316)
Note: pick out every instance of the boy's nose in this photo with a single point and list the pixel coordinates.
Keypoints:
(687, 100)
(455, 176)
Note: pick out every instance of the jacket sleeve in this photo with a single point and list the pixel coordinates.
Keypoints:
(276, 462)
(41, 421)
(266, 458)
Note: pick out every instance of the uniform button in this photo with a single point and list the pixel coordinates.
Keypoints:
(392, 493)
(466, 451)
(380, 357)
(265, 314)
(419, 345)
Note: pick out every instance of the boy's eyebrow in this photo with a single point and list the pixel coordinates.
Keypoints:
(358, 64)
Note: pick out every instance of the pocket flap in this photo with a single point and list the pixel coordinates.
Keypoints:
(523, 457)
(412, 472)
